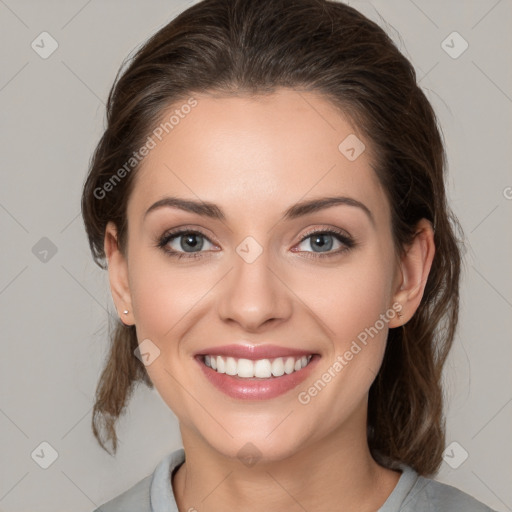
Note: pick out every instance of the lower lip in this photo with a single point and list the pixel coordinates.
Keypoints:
(255, 388)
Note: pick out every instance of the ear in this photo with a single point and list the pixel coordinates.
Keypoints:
(118, 275)
(414, 270)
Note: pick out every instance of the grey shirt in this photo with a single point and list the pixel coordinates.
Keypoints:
(413, 493)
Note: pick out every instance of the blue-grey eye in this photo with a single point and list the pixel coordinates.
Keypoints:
(321, 242)
(187, 241)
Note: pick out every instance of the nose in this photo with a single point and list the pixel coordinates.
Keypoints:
(254, 294)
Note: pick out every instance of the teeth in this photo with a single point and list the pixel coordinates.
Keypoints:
(261, 368)
(231, 366)
(289, 365)
(278, 367)
(245, 368)
(221, 364)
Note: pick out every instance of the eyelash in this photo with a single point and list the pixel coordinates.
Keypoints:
(339, 235)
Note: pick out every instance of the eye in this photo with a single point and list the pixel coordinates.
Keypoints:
(185, 243)
(324, 241)
(189, 243)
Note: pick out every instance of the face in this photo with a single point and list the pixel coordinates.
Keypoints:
(248, 275)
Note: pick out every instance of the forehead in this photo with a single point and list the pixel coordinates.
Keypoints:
(259, 153)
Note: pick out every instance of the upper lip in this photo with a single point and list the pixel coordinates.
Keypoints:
(254, 352)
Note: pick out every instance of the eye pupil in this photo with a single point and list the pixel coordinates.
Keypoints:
(322, 244)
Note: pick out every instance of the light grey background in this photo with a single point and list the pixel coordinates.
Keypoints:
(54, 313)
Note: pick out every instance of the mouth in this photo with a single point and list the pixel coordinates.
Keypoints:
(254, 377)
(259, 368)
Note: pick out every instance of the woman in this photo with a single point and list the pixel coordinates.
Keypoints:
(269, 197)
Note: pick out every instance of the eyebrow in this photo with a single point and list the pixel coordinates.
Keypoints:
(211, 210)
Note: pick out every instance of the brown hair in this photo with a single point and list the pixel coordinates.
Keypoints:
(253, 47)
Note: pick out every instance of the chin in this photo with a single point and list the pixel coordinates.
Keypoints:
(251, 451)
(255, 440)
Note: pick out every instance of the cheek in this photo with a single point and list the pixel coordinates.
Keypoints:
(352, 301)
(154, 303)
(163, 294)
(165, 301)
(352, 305)
(350, 298)
(358, 303)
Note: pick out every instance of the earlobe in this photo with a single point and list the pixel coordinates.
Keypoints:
(118, 275)
(415, 268)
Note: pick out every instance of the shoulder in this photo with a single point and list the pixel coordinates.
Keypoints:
(135, 499)
(428, 495)
(153, 490)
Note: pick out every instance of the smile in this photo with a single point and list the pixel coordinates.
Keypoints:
(260, 368)
(256, 379)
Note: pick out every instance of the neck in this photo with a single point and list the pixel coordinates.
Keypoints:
(339, 469)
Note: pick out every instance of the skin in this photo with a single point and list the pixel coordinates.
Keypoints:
(254, 157)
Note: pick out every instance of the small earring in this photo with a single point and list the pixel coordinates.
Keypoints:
(125, 311)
